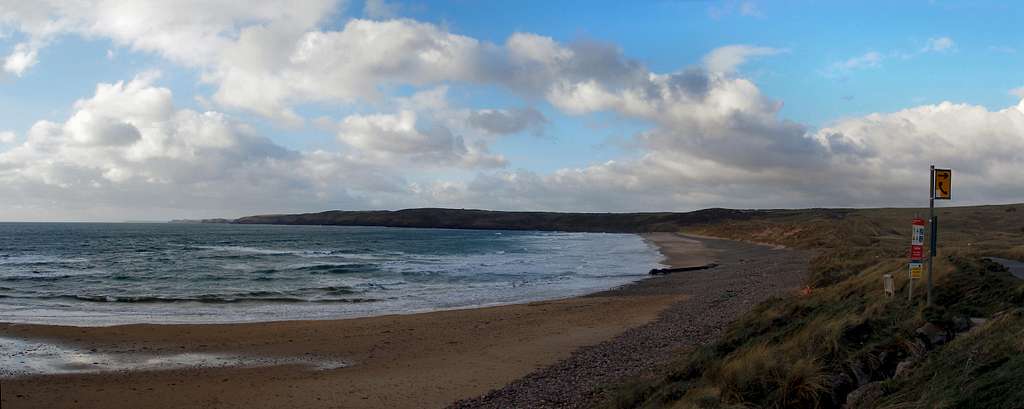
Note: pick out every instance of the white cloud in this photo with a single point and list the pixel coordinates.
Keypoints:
(749, 8)
(191, 32)
(355, 63)
(127, 152)
(717, 141)
(722, 9)
(21, 59)
(267, 62)
(726, 59)
(8, 137)
(870, 59)
(939, 44)
(874, 59)
(399, 137)
(1018, 92)
(712, 137)
(876, 160)
(507, 121)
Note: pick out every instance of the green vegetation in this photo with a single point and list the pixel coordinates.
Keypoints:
(846, 338)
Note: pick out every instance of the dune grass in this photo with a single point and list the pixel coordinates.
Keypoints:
(810, 351)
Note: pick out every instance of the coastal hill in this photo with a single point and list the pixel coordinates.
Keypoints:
(547, 221)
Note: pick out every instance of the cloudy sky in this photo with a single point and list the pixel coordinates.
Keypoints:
(149, 109)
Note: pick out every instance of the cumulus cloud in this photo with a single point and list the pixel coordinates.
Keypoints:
(1017, 92)
(127, 151)
(718, 141)
(399, 136)
(354, 63)
(712, 138)
(193, 32)
(425, 130)
(267, 62)
(876, 160)
(23, 57)
(507, 121)
(8, 137)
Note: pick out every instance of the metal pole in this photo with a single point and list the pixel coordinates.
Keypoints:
(931, 225)
(910, 290)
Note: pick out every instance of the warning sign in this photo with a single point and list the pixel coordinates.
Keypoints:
(943, 183)
(915, 270)
(917, 239)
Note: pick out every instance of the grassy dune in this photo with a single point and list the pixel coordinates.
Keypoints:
(813, 350)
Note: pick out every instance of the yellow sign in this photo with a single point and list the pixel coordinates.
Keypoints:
(943, 183)
(915, 271)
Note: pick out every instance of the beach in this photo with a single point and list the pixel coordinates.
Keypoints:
(553, 353)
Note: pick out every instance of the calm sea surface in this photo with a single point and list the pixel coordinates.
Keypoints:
(111, 273)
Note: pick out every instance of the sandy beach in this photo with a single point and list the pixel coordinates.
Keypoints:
(417, 360)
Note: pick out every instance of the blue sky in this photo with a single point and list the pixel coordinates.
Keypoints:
(584, 106)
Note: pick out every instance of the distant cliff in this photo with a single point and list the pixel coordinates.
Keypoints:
(486, 219)
(198, 221)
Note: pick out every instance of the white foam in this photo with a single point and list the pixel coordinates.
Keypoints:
(21, 357)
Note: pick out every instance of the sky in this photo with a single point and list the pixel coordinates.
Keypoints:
(153, 110)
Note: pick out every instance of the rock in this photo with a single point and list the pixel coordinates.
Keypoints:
(860, 375)
(864, 396)
(903, 368)
(961, 324)
(934, 334)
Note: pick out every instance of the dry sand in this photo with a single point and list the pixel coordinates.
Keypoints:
(397, 361)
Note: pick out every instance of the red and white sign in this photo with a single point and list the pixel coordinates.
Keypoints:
(917, 239)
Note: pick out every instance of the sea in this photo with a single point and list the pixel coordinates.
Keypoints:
(123, 273)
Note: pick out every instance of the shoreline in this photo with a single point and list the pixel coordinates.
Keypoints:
(411, 360)
(113, 309)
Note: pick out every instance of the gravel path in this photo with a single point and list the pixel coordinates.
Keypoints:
(747, 274)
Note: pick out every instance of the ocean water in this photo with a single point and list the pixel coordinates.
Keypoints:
(117, 273)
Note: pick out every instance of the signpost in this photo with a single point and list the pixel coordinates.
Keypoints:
(941, 189)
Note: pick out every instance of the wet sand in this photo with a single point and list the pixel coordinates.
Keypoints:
(417, 360)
